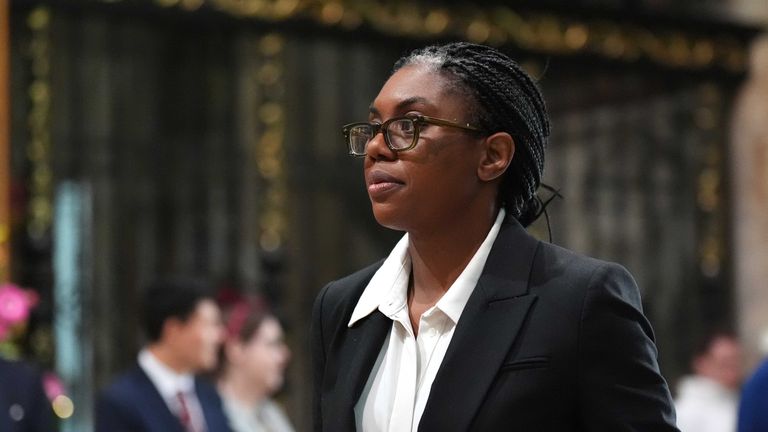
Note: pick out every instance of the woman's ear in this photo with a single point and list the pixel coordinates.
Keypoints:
(498, 150)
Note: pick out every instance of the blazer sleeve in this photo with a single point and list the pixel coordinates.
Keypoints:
(621, 387)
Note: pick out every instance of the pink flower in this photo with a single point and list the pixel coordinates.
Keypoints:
(15, 304)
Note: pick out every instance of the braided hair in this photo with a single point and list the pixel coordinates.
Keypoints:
(503, 98)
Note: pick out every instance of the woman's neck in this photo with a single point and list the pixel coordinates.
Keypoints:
(238, 387)
(439, 256)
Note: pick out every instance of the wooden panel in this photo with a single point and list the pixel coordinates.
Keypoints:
(5, 136)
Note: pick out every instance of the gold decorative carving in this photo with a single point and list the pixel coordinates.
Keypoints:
(39, 145)
(546, 33)
(710, 182)
(269, 155)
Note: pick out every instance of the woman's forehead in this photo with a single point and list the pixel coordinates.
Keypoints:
(412, 87)
(415, 80)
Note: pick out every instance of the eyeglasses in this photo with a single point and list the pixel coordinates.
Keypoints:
(400, 133)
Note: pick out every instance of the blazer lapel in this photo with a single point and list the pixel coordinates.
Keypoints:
(359, 352)
(492, 318)
(154, 404)
(211, 406)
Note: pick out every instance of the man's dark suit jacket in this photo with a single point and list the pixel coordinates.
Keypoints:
(24, 407)
(548, 341)
(133, 404)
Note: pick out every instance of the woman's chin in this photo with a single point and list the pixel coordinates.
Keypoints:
(389, 219)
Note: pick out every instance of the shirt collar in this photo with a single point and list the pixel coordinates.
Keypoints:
(167, 381)
(388, 279)
(388, 287)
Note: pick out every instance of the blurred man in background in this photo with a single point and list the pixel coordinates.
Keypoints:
(24, 406)
(162, 394)
(708, 400)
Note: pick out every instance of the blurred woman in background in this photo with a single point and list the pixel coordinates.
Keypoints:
(254, 358)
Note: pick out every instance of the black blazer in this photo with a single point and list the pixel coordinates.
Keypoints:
(548, 341)
(133, 404)
(24, 407)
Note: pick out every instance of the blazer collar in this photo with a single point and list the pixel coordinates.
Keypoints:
(489, 325)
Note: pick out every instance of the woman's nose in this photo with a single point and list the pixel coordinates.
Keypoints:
(377, 148)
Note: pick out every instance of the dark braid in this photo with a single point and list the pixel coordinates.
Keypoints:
(505, 99)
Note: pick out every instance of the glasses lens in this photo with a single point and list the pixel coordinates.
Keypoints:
(400, 133)
(358, 138)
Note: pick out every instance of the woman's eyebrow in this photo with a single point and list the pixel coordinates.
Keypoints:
(404, 104)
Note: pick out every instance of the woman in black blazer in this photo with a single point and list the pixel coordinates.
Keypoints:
(471, 323)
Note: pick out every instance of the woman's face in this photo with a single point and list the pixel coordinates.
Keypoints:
(265, 356)
(425, 187)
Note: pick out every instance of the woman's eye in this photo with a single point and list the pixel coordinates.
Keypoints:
(402, 127)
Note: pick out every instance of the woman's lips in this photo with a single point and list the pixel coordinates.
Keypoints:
(377, 189)
(380, 183)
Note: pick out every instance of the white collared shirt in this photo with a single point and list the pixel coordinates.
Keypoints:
(398, 387)
(169, 384)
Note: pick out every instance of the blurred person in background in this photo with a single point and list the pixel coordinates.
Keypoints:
(753, 409)
(253, 362)
(24, 405)
(707, 400)
(162, 393)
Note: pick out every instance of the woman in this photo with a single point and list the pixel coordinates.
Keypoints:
(252, 369)
(470, 323)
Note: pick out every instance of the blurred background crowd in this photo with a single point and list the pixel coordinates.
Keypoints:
(142, 138)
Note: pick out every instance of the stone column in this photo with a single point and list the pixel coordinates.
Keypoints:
(749, 172)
